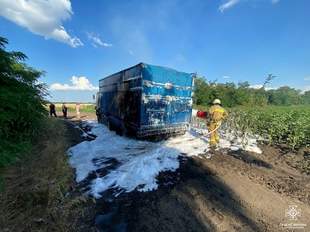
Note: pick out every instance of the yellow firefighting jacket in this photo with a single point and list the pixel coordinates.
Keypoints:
(217, 113)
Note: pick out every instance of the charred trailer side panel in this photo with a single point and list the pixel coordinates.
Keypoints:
(119, 100)
(146, 100)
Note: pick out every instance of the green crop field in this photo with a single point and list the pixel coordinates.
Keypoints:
(278, 124)
(288, 125)
(84, 107)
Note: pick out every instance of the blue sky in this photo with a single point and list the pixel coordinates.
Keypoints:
(79, 42)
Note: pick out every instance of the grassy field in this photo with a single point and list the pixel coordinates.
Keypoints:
(84, 107)
(288, 125)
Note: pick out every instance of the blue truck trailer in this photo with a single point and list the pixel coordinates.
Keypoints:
(146, 100)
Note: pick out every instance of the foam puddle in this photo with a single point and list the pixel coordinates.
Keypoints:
(138, 162)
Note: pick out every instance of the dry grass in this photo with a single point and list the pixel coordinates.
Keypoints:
(37, 191)
(84, 107)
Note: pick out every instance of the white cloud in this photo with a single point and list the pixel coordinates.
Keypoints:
(260, 86)
(78, 83)
(256, 86)
(96, 41)
(226, 77)
(228, 4)
(43, 18)
(305, 89)
(307, 78)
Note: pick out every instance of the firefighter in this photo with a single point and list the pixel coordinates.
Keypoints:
(216, 114)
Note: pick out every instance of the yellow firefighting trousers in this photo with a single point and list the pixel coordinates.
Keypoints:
(214, 137)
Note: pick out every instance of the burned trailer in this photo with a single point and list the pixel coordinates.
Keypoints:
(146, 100)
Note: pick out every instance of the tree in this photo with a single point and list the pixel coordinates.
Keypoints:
(201, 89)
(306, 97)
(21, 99)
(269, 78)
(284, 96)
(242, 94)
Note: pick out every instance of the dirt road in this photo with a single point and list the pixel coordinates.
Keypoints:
(228, 193)
(232, 191)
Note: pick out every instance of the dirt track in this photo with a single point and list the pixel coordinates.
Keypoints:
(229, 192)
(232, 191)
(248, 193)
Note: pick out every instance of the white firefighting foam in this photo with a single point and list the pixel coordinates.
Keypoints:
(138, 162)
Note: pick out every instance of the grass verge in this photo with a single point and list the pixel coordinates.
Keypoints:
(39, 190)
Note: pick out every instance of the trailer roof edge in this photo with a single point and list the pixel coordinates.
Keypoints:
(142, 63)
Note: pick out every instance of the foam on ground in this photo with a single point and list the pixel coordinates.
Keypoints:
(138, 162)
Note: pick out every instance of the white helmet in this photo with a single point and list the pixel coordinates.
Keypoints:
(217, 101)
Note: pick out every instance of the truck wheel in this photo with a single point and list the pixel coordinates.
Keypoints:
(99, 119)
(109, 125)
(122, 131)
(119, 132)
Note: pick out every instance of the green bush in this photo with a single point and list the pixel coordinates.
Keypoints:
(21, 103)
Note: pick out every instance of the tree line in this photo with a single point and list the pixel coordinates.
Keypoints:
(242, 94)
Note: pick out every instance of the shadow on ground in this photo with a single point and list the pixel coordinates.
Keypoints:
(190, 199)
(248, 158)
